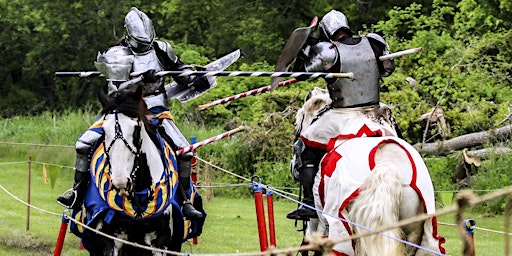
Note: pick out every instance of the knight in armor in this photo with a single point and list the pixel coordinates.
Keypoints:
(355, 109)
(139, 53)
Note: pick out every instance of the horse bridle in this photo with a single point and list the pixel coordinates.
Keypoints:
(136, 151)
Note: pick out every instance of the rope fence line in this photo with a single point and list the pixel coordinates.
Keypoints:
(271, 251)
(337, 217)
(468, 198)
(241, 177)
(35, 144)
(478, 228)
(27, 204)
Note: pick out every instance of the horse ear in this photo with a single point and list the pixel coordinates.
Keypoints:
(102, 96)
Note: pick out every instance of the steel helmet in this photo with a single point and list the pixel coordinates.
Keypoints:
(139, 29)
(332, 22)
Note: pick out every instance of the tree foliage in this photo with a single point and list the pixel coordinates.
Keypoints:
(464, 67)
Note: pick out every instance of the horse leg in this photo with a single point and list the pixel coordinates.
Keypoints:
(430, 238)
(100, 245)
(411, 206)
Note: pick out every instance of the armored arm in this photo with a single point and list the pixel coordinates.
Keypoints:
(171, 61)
(305, 53)
(381, 47)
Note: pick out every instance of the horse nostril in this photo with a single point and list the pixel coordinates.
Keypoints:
(122, 185)
(122, 192)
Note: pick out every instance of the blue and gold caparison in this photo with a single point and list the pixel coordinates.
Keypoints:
(158, 196)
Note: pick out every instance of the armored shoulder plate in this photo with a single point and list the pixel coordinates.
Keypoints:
(381, 41)
(323, 57)
(167, 48)
(115, 63)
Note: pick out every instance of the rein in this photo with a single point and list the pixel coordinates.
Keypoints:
(136, 151)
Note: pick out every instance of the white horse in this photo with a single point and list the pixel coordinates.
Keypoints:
(133, 190)
(365, 183)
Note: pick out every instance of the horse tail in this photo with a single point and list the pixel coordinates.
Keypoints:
(377, 205)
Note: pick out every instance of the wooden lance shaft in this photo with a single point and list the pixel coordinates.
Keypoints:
(210, 140)
(245, 94)
(400, 53)
(291, 81)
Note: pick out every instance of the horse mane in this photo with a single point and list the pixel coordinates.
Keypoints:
(315, 100)
(127, 102)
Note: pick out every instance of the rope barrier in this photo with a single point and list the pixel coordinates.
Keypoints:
(467, 197)
(241, 177)
(20, 162)
(27, 204)
(477, 228)
(35, 144)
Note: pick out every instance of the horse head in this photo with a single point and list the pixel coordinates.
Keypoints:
(128, 146)
(315, 101)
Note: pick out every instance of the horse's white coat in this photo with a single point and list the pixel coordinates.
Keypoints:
(384, 198)
(122, 161)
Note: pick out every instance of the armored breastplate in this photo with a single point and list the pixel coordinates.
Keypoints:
(364, 89)
(144, 62)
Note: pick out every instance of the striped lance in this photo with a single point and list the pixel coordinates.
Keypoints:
(210, 140)
(310, 75)
(245, 94)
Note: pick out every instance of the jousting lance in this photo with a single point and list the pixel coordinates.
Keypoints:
(291, 81)
(245, 94)
(210, 140)
(84, 74)
(309, 75)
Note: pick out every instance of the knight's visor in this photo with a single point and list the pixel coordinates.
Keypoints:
(137, 45)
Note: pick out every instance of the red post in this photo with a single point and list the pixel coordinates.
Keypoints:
(62, 235)
(260, 215)
(270, 210)
(193, 163)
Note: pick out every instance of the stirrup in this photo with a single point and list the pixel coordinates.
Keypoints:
(303, 212)
(193, 213)
(72, 191)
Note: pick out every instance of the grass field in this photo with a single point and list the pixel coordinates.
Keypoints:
(230, 226)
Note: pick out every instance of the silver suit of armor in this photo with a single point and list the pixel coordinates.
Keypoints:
(358, 59)
(332, 22)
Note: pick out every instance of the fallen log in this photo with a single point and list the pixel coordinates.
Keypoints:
(446, 147)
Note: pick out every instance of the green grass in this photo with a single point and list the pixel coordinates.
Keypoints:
(230, 227)
(231, 223)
